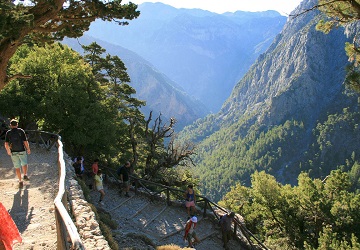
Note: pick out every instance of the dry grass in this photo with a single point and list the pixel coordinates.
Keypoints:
(172, 247)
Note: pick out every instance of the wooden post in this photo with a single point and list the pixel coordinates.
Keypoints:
(205, 205)
(136, 186)
(168, 197)
(61, 237)
(235, 229)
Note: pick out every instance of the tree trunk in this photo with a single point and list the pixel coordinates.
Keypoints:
(42, 12)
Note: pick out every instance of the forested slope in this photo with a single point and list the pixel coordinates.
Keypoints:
(290, 113)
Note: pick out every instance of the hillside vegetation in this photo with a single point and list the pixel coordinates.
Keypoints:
(291, 113)
(283, 150)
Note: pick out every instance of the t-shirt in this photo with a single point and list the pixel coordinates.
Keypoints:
(16, 137)
(98, 180)
(95, 167)
(77, 166)
(189, 227)
(189, 197)
(225, 222)
(82, 163)
(124, 171)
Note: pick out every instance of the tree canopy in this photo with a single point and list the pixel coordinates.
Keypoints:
(344, 13)
(51, 20)
(315, 214)
(99, 117)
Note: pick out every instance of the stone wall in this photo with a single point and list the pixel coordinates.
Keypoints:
(85, 219)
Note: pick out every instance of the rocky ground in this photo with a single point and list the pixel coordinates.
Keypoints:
(31, 207)
(142, 222)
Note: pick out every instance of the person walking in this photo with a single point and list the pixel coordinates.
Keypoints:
(77, 166)
(124, 173)
(76, 159)
(225, 224)
(190, 200)
(99, 185)
(95, 167)
(190, 231)
(17, 146)
(94, 170)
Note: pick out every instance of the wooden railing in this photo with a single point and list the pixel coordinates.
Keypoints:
(66, 228)
(156, 190)
(64, 224)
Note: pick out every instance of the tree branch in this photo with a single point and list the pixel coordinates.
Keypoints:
(18, 76)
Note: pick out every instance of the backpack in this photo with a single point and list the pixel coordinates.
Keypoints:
(16, 140)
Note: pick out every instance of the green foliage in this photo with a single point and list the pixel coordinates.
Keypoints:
(92, 108)
(343, 13)
(63, 95)
(314, 214)
(40, 22)
(231, 156)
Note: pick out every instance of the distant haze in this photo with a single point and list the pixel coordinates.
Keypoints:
(284, 7)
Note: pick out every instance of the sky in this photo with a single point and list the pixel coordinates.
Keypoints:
(284, 7)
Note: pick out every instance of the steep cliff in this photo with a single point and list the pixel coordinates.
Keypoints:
(289, 113)
(204, 52)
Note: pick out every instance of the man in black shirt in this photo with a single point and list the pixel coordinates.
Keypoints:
(17, 146)
(124, 172)
(77, 166)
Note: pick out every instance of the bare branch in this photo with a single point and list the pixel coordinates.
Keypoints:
(18, 76)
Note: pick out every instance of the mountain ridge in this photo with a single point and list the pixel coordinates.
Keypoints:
(162, 95)
(275, 118)
(220, 47)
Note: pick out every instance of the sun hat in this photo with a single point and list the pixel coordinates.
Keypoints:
(194, 219)
(13, 122)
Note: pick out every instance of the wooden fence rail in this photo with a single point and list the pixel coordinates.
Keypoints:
(65, 226)
(240, 230)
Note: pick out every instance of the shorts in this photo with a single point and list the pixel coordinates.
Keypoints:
(19, 159)
(189, 203)
(191, 235)
(125, 184)
(98, 188)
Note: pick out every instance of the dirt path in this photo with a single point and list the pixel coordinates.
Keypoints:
(31, 207)
(155, 224)
(142, 223)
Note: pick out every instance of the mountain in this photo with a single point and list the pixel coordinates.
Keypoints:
(204, 52)
(160, 93)
(290, 113)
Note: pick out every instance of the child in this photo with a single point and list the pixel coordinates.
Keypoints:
(99, 185)
(190, 231)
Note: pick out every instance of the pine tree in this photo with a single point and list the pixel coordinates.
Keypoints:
(51, 20)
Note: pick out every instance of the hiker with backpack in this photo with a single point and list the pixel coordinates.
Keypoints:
(17, 146)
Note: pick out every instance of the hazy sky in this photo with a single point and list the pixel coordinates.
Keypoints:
(284, 7)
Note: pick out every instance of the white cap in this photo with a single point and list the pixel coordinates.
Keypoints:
(194, 219)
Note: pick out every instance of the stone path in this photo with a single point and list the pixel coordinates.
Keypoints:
(154, 222)
(32, 206)
(142, 223)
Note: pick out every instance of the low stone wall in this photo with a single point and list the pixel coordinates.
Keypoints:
(85, 219)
